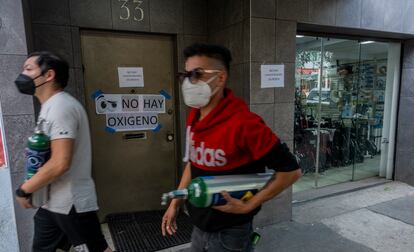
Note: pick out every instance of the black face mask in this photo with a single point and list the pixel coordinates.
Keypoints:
(26, 85)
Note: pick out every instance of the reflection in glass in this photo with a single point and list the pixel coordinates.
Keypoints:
(340, 86)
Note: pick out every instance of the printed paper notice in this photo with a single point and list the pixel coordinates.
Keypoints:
(129, 103)
(131, 121)
(131, 76)
(272, 76)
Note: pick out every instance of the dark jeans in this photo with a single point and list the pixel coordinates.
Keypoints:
(236, 238)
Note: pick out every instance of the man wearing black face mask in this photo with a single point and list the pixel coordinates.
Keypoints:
(69, 216)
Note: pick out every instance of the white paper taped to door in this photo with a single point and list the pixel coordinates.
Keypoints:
(131, 121)
(127, 103)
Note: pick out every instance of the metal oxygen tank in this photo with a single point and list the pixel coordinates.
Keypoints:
(206, 191)
(37, 154)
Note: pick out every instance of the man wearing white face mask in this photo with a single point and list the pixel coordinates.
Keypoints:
(225, 138)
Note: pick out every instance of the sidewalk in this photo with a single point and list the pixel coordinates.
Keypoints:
(379, 218)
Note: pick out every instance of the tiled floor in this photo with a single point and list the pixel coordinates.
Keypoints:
(335, 175)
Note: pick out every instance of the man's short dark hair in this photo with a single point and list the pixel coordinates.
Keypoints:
(48, 60)
(217, 52)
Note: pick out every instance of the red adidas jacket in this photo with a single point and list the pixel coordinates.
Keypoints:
(228, 137)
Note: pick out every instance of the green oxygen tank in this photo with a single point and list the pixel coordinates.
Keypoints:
(37, 154)
(206, 191)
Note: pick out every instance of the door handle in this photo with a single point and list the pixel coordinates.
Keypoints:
(385, 140)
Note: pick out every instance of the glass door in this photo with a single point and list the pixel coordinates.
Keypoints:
(339, 109)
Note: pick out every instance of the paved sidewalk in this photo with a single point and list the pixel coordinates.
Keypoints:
(379, 218)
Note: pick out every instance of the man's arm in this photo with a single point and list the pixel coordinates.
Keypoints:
(169, 224)
(56, 166)
(287, 172)
(279, 182)
(185, 181)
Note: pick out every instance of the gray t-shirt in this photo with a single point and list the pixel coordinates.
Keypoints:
(66, 118)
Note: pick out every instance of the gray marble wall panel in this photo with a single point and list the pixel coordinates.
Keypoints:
(247, 4)
(166, 16)
(266, 111)
(236, 42)
(284, 114)
(406, 110)
(287, 93)
(215, 16)
(405, 139)
(195, 20)
(263, 8)
(77, 51)
(322, 12)
(220, 37)
(50, 12)
(92, 13)
(275, 210)
(372, 17)
(405, 160)
(392, 17)
(79, 83)
(408, 23)
(13, 102)
(8, 232)
(259, 95)
(246, 82)
(404, 164)
(54, 38)
(246, 40)
(348, 13)
(407, 82)
(408, 56)
(285, 41)
(72, 88)
(12, 31)
(293, 10)
(235, 81)
(262, 40)
(233, 10)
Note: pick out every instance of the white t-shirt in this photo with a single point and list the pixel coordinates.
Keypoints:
(66, 118)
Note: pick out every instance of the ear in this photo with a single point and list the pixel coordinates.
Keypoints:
(222, 78)
(50, 75)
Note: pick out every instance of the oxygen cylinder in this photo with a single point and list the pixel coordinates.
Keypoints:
(206, 191)
(37, 154)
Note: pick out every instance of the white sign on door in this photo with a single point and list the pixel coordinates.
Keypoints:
(131, 76)
(272, 76)
(131, 121)
(129, 103)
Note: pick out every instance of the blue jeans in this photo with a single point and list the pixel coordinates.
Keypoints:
(236, 238)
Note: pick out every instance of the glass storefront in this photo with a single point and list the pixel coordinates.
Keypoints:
(339, 109)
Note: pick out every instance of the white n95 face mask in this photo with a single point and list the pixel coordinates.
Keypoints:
(199, 94)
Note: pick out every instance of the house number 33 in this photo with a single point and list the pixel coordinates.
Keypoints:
(136, 12)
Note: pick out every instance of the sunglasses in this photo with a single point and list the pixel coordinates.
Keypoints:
(195, 74)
